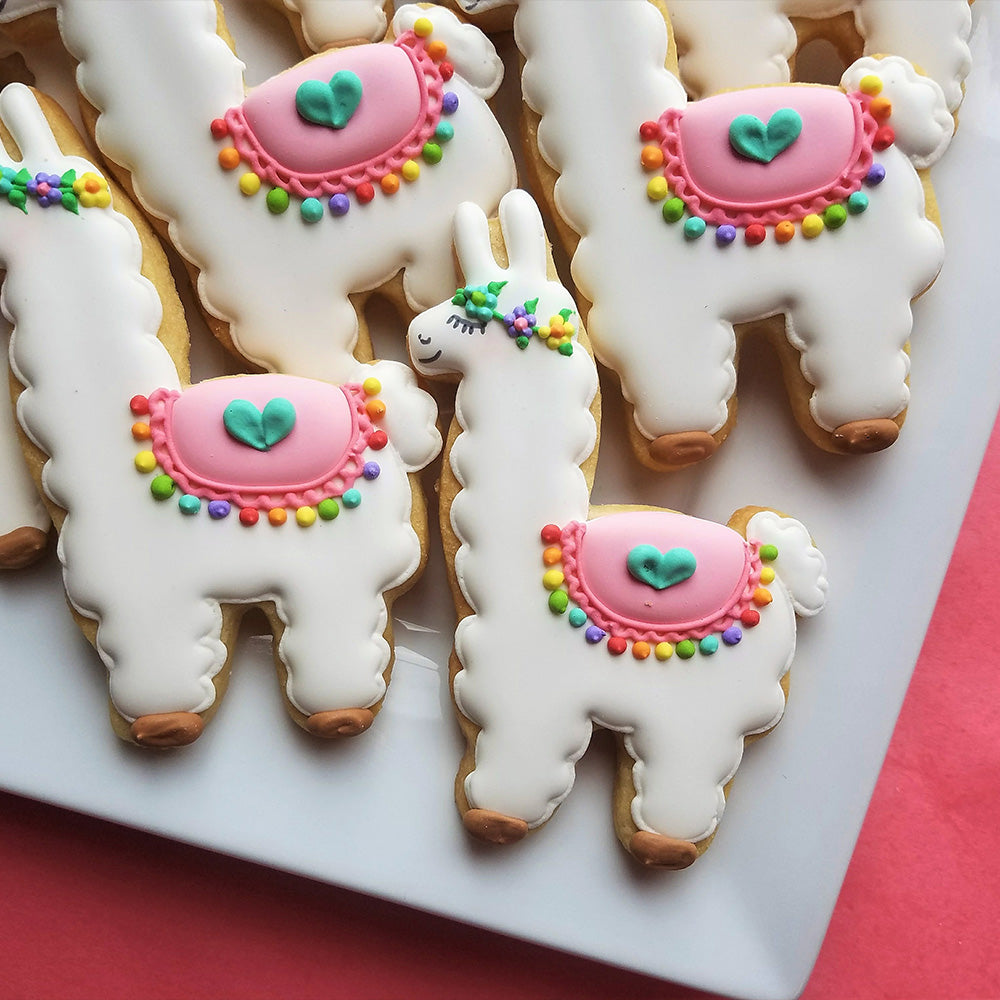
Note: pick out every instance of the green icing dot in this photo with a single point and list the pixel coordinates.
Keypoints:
(673, 210)
(432, 152)
(685, 649)
(857, 203)
(835, 216)
(578, 617)
(312, 210)
(709, 644)
(694, 227)
(162, 487)
(566, 348)
(521, 342)
(558, 601)
(328, 509)
(769, 552)
(277, 200)
(352, 498)
(189, 504)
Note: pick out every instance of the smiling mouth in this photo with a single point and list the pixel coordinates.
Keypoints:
(432, 358)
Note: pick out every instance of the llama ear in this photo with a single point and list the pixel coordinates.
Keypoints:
(24, 120)
(524, 233)
(473, 245)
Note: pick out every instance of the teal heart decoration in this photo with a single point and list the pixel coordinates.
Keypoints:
(331, 104)
(751, 138)
(660, 570)
(260, 429)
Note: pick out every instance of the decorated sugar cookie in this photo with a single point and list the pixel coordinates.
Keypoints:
(674, 632)
(181, 506)
(800, 212)
(293, 201)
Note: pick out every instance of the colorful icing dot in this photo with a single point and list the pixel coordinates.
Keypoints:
(594, 634)
(311, 210)
(870, 85)
(880, 108)
(875, 175)
(663, 650)
(305, 516)
(857, 203)
(447, 70)
(218, 509)
(351, 499)
(372, 386)
(553, 579)
(649, 131)
(339, 204)
(277, 201)
(378, 440)
(651, 157)
(768, 552)
(762, 597)
(673, 210)
(750, 617)
(755, 234)
(835, 216)
(189, 504)
(389, 184)
(445, 132)
(767, 574)
(145, 461)
(725, 235)
(694, 228)
(732, 636)
(566, 349)
(139, 405)
(686, 649)
(551, 534)
(364, 193)
(449, 103)
(249, 184)
(558, 601)
(229, 158)
(371, 471)
(162, 487)
(640, 650)
(431, 152)
(437, 50)
(784, 231)
(141, 431)
(709, 645)
(812, 226)
(578, 617)
(423, 26)
(884, 138)
(617, 645)
(657, 189)
(219, 128)
(375, 409)
(249, 516)
(552, 555)
(410, 170)
(328, 509)
(277, 516)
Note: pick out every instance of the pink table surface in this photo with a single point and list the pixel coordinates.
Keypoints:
(89, 909)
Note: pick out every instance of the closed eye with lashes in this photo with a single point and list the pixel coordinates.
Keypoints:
(466, 325)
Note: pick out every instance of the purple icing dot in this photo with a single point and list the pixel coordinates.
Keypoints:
(594, 634)
(371, 470)
(532, 319)
(725, 235)
(732, 635)
(218, 509)
(53, 180)
(32, 185)
(449, 103)
(876, 174)
(340, 204)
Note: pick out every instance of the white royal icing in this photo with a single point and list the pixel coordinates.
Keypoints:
(740, 43)
(528, 679)
(159, 75)
(663, 312)
(331, 22)
(153, 578)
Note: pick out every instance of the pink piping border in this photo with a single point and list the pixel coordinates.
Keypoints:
(614, 625)
(428, 74)
(332, 483)
(720, 213)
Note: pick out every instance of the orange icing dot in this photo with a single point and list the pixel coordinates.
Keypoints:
(651, 157)
(881, 108)
(277, 515)
(784, 231)
(552, 555)
(640, 650)
(375, 409)
(389, 184)
(437, 50)
(229, 158)
(141, 431)
(762, 597)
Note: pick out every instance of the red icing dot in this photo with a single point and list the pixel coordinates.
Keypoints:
(551, 534)
(755, 234)
(219, 128)
(447, 71)
(649, 131)
(249, 516)
(365, 192)
(750, 617)
(378, 440)
(884, 138)
(617, 645)
(139, 405)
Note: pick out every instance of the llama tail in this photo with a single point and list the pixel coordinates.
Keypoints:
(799, 564)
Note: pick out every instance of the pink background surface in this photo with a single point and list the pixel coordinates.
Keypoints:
(89, 909)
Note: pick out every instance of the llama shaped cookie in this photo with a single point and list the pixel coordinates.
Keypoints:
(673, 632)
(180, 506)
(796, 211)
(738, 43)
(295, 200)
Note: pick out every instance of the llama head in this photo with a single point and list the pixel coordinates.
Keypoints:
(920, 118)
(499, 309)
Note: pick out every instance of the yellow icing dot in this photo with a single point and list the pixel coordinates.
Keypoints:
(372, 386)
(422, 27)
(657, 189)
(277, 516)
(411, 170)
(766, 574)
(543, 332)
(249, 183)
(663, 650)
(553, 579)
(305, 516)
(870, 85)
(145, 461)
(552, 343)
(812, 226)
(552, 555)
(568, 330)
